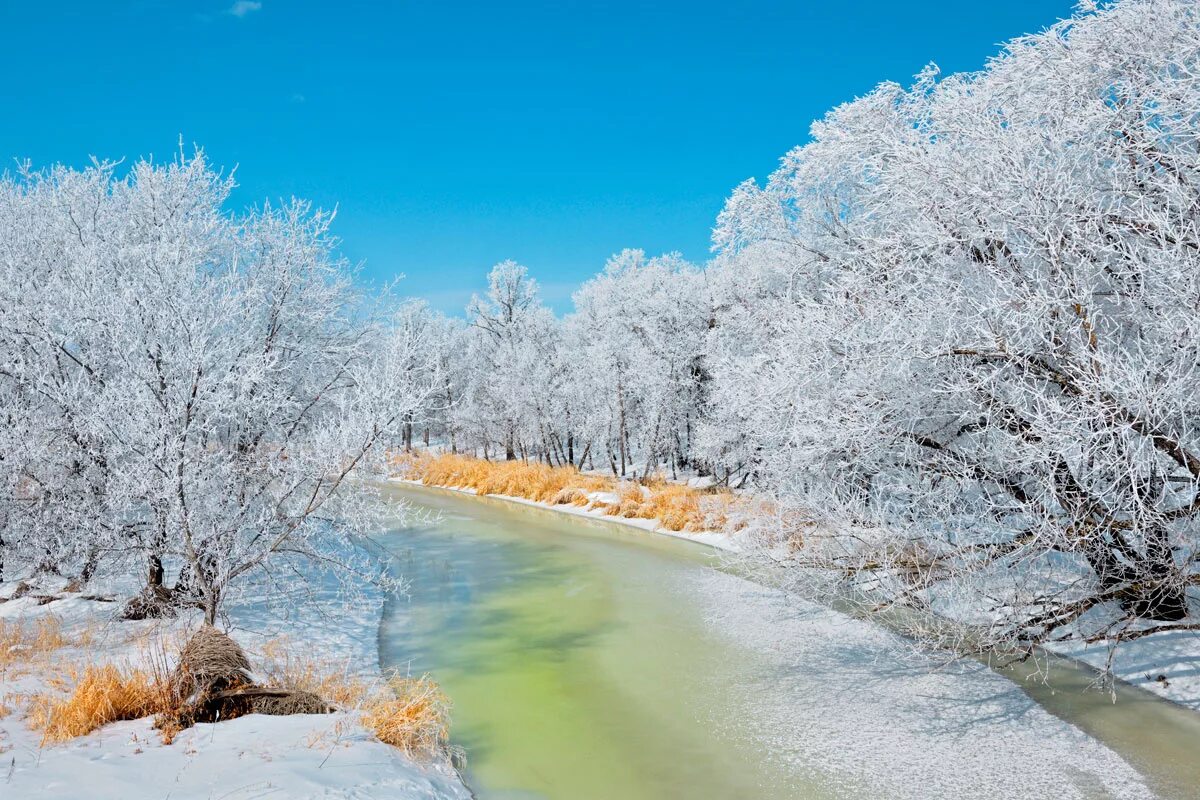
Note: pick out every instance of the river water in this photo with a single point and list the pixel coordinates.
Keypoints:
(590, 662)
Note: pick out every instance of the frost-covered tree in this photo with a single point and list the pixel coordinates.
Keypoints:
(960, 331)
(639, 336)
(512, 352)
(188, 389)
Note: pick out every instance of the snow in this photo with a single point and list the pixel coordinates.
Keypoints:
(1167, 663)
(849, 700)
(251, 757)
(301, 756)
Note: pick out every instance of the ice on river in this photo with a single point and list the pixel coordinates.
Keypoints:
(852, 706)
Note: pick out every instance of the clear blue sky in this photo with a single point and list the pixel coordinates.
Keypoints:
(453, 135)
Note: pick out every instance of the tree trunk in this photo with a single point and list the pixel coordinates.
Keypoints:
(621, 423)
(1148, 588)
(211, 602)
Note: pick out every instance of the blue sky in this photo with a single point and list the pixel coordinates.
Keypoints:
(452, 135)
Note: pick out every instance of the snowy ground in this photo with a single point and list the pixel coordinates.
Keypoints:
(326, 756)
(1167, 664)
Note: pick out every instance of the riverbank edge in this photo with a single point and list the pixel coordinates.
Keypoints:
(713, 539)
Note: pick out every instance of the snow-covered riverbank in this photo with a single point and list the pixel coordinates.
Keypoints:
(300, 756)
(1166, 664)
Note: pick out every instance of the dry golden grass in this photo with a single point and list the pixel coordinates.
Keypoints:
(24, 642)
(570, 497)
(79, 701)
(674, 506)
(412, 715)
(284, 668)
(100, 695)
(528, 480)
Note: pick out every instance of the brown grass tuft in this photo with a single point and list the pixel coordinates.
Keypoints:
(528, 480)
(570, 496)
(413, 715)
(285, 669)
(102, 694)
(24, 642)
(409, 713)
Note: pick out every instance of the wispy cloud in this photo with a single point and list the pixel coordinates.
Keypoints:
(298, 98)
(243, 7)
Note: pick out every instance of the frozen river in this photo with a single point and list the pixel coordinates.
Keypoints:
(591, 662)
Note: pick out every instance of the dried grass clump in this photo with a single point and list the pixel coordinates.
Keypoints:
(528, 480)
(101, 694)
(25, 642)
(674, 506)
(210, 681)
(631, 498)
(210, 662)
(409, 713)
(206, 684)
(413, 715)
(570, 496)
(284, 702)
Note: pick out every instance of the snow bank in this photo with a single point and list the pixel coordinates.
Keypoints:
(302, 756)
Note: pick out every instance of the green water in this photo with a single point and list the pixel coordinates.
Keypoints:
(581, 668)
(573, 674)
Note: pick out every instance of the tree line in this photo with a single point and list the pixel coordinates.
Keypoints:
(954, 336)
